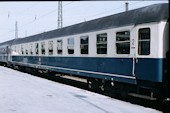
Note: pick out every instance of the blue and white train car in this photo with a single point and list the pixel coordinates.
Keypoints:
(128, 47)
(5, 52)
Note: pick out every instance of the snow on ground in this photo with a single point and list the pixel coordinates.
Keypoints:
(24, 93)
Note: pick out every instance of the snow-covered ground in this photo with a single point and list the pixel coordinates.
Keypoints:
(24, 93)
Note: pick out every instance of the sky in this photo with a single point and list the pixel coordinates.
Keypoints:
(25, 93)
(37, 17)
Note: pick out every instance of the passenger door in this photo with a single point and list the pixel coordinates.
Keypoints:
(143, 65)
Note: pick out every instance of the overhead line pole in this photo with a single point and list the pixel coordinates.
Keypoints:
(16, 30)
(60, 18)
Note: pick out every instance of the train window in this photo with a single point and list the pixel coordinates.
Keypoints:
(26, 52)
(144, 41)
(59, 46)
(123, 42)
(70, 46)
(2, 50)
(84, 44)
(26, 49)
(22, 49)
(43, 48)
(36, 49)
(101, 43)
(50, 47)
(31, 52)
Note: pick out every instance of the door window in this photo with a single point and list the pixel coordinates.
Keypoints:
(144, 41)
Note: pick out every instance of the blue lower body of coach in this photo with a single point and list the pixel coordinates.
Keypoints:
(118, 69)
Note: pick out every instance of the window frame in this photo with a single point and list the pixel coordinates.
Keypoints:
(102, 43)
(60, 51)
(121, 42)
(43, 48)
(22, 49)
(144, 40)
(36, 48)
(26, 49)
(50, 47)
(70, 45)
(81, 37)
(31, 49)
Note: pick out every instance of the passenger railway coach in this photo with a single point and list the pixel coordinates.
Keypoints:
(127, 49)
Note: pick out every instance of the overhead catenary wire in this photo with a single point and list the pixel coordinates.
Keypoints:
(104, 12)
(36, 18)
(10, 14)
(50, 12)
(42, 16)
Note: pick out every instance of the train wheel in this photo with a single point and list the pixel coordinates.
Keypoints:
(92, 84)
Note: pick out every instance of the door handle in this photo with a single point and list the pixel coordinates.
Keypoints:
(136, 60)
